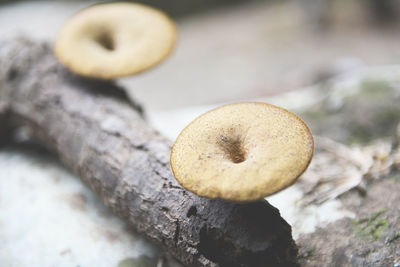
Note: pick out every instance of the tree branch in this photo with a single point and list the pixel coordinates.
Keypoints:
(103, 138)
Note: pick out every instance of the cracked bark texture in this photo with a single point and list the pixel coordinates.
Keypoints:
(104, 139)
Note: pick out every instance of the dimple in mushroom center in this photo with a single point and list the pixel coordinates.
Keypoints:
(233, 148)
(106, 41)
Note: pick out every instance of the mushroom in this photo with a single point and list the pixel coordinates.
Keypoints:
(242, 152)
(113, 40)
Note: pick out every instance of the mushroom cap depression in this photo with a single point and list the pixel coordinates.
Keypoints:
(242, 152)
(113, 40)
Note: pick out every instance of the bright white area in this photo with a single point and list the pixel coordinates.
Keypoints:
(49, 218)
(306, 220)
(40, 20)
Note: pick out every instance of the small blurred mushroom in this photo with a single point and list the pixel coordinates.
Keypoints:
(113, 40)
(242, 152)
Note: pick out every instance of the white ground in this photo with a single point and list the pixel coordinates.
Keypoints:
(49, 218)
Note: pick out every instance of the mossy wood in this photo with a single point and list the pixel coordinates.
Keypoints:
(103, 138)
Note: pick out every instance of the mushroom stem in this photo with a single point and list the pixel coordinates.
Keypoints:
(126, 162)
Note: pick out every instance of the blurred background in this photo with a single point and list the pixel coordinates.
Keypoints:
(231, 50)
(228, 51)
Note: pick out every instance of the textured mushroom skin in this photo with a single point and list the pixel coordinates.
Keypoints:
(104, 139)
(112, 40)
(242, 152)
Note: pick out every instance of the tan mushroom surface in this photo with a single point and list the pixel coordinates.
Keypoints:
(107, 41)
(242, 152)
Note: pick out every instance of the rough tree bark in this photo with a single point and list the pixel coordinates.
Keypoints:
(103, 138)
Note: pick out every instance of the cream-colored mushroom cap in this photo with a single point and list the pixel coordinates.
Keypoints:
(112, 40)
(242, 152)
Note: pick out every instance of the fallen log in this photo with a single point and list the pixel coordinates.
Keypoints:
(103, 138)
